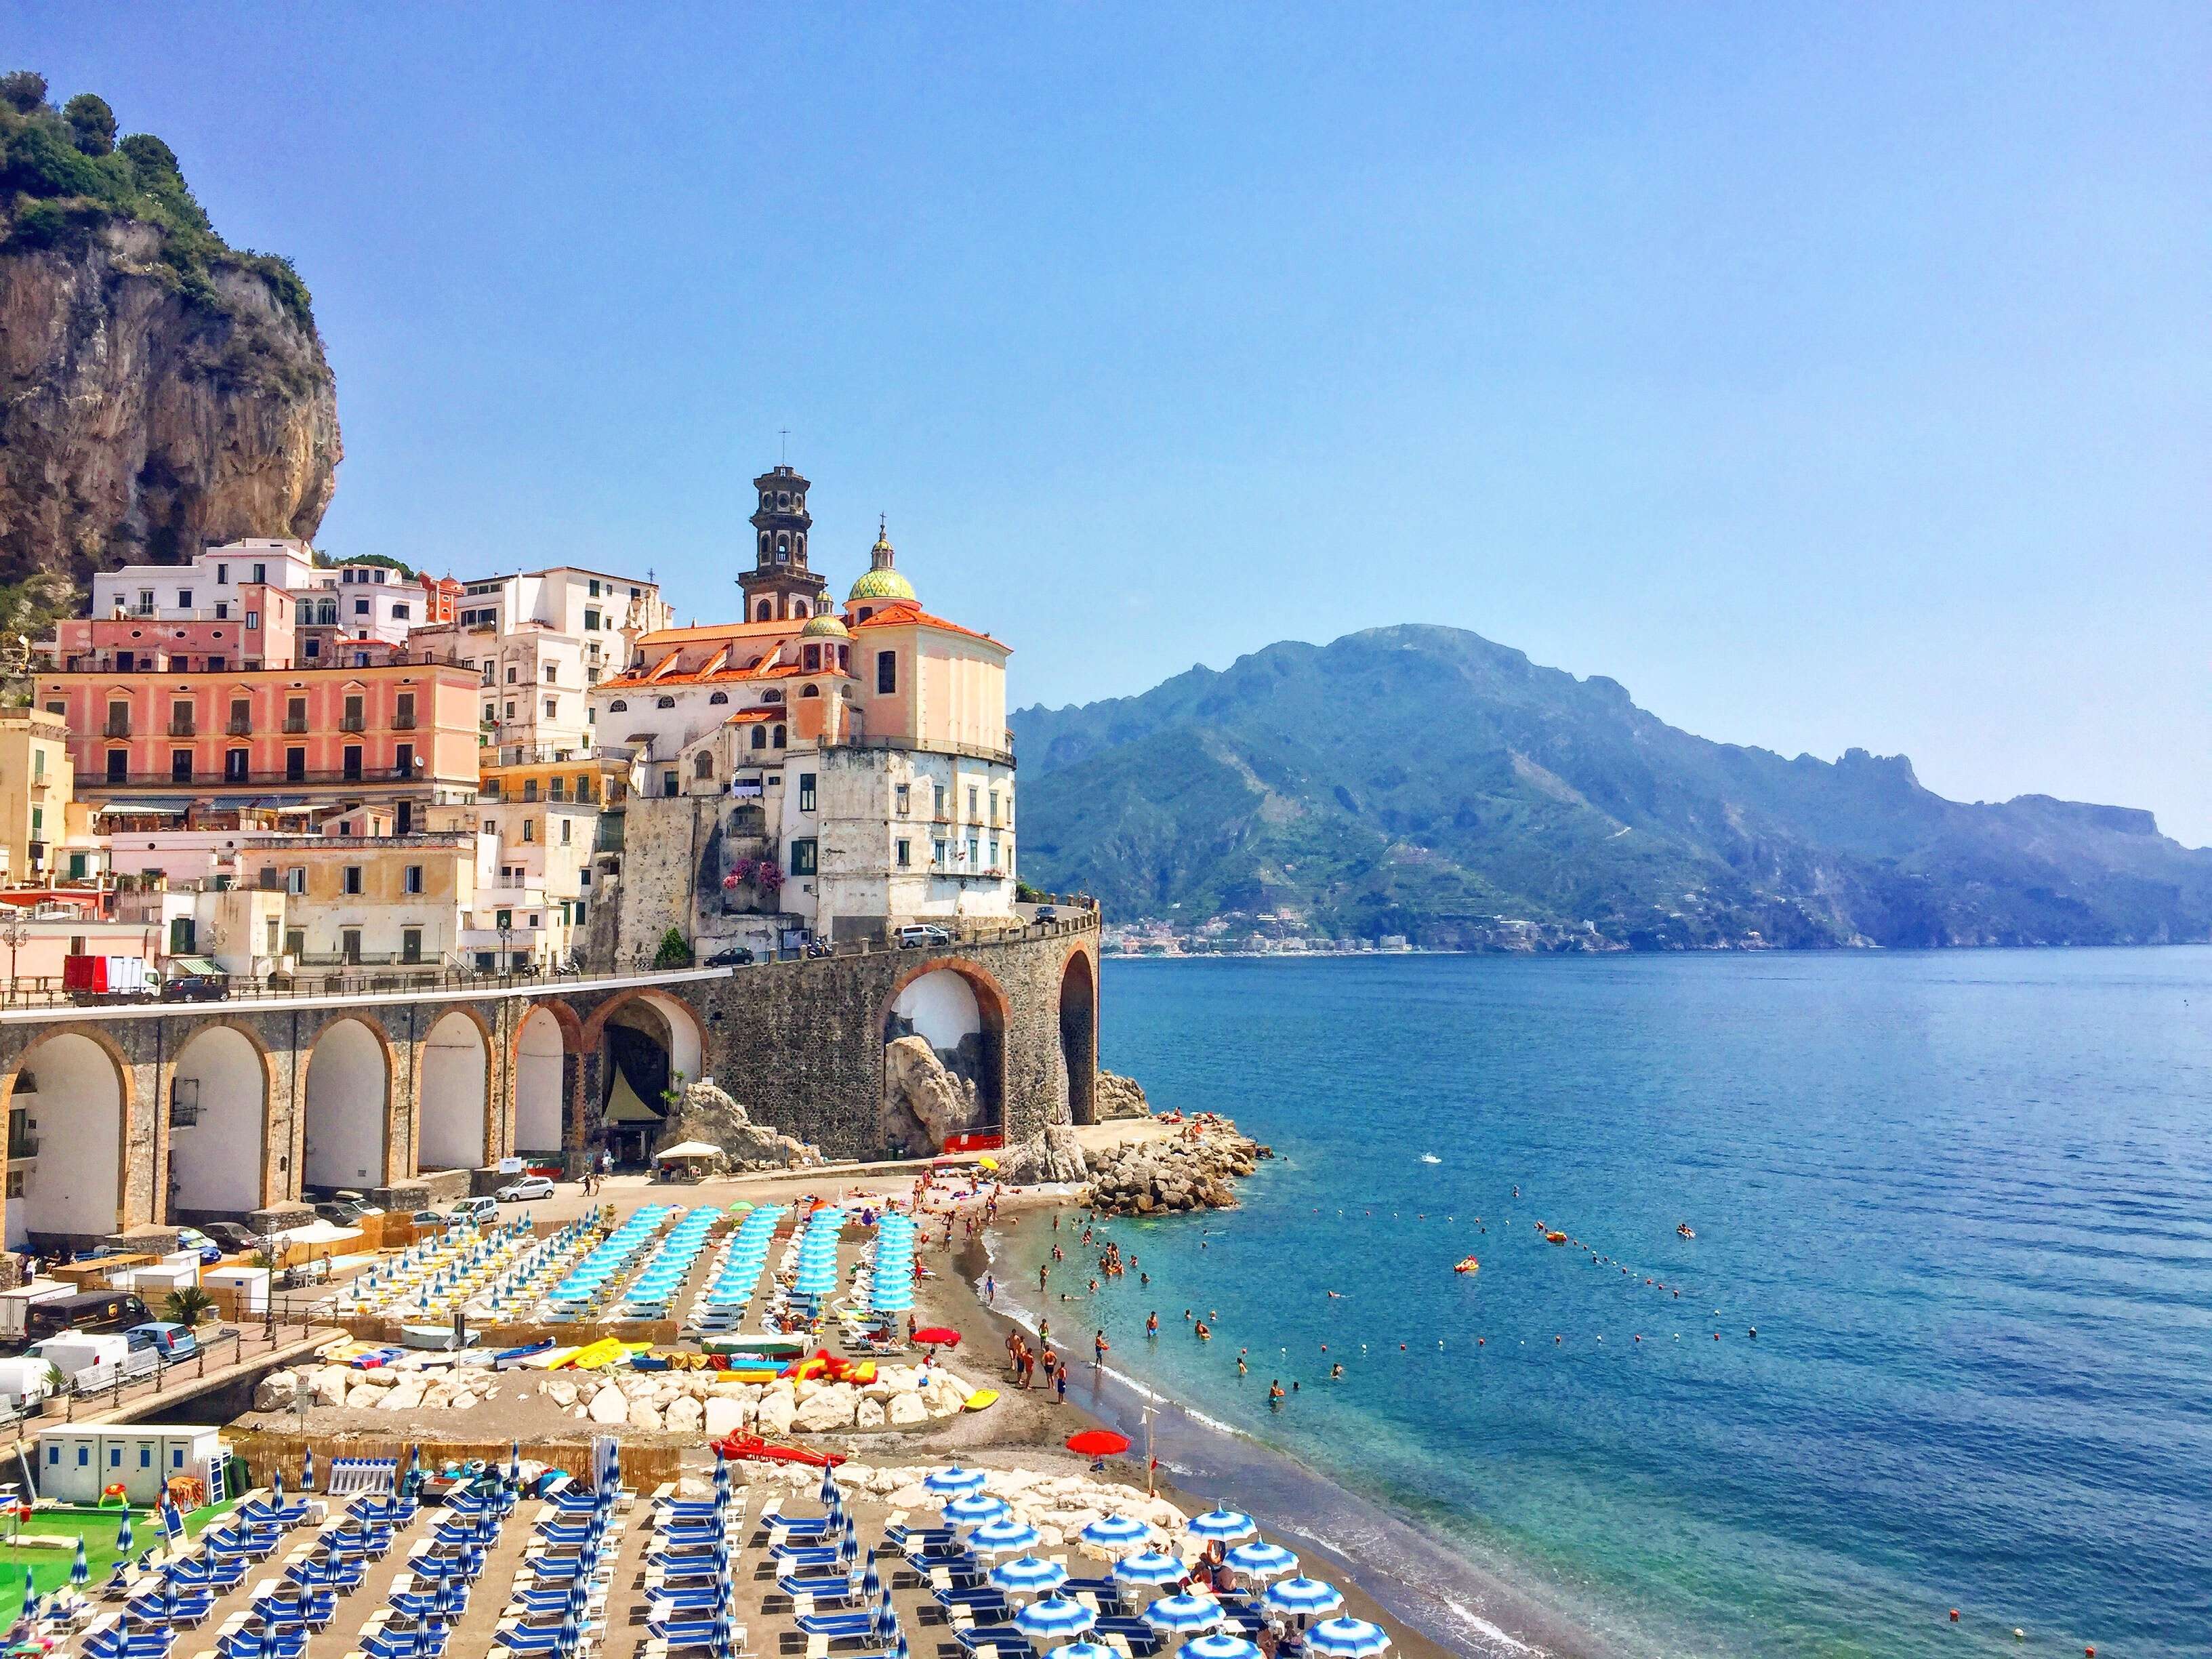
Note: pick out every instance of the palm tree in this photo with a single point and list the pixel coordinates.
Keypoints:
(190, 1307)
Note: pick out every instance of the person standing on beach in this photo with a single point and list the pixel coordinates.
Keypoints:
(1098, 1347)
(990, 1287)
(1059, 1384)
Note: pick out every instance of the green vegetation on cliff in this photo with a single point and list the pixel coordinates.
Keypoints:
(1423, 781)
(63, 176)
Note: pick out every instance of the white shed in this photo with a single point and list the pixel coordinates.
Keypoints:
(76, 1464)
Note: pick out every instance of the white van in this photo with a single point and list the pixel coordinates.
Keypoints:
(94, 1360)
(922, 935)
(24, 1381)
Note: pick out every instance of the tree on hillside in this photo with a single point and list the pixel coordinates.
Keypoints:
(91, 123)
(23, 91)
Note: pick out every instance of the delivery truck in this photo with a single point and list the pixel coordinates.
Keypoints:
(108, 976)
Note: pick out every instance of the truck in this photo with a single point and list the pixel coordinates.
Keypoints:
(93, 1361)
(81, 1312)
(16, 1306)
(107, 976)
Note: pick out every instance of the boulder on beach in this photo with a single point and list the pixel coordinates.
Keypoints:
(276, 1391)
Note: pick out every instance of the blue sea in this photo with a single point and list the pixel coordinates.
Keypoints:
(1964, 1199)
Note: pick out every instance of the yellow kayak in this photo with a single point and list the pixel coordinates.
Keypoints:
(598, 1355)
(551, 1359)
(977, 1400)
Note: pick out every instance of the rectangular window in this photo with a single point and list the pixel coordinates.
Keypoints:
(233, 765)
(222, 575)
(361, 607)
(180, 766)
(315, 649)
(937, 852)
(529, 789)
(886, 672)
(353, 879)
(971, 851)
(905, 853)
(296, 941)
(971, 803)
(295, 765)
(241, 717)
(530, 828)
(403, 761)
(550, 680)
(994, 851)
(668, 782)
(118, 720)
(350, 944)
(252, 621)
(802, 856)
(353, 762)
(145, 601)
(400, 612)
(295, 713)
(38, 823)
(412, 881)
(38, 764)
(215, 665)
(181, 723)
(403, 712)
(222, 610)
(80, 865)
(261, 573)
(184, 599)
(276, 939)
(594, 591)
(591, 621)
(552, 708)
(355, 718)
(296, 880)
(806, 792)
(567, 825)
(903, 795)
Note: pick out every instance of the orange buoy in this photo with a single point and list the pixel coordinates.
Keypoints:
(1955, 1615)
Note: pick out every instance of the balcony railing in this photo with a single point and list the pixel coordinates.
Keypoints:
(403, 722)
(281, 778)
(352, 723)
(241, 725)
(296, 724)
(117, 729)
(183, 729)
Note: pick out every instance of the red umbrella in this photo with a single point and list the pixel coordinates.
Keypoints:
(932, 1336)
(1098, 1442)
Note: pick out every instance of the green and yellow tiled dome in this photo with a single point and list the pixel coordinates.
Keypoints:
(825, 626)
(881, 584)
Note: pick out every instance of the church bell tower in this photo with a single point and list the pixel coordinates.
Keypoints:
(780, 585)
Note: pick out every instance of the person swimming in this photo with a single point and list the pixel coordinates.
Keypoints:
(1151, 1324)
(1337, 1370)
(1202, 1332)
(1275, 1392)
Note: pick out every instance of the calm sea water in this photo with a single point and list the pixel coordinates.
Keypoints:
(1965, 1200)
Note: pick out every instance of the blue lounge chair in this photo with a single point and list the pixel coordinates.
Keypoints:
(820, 1587)
(683, 1633)
(703, 1598)
(1107, 1593)
(140, 1645)
(903, 1539)
(291, 1643)
(404, 1645)
(530, 1638)
(190, 1606)
(979, 1600)
(1000, 1641)
(1138, 1636)
(433, 1604)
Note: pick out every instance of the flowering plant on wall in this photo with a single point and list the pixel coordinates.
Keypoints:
(743, 871)
(767, 875)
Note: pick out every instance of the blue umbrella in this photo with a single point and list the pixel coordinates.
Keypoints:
(829, 1484)
(1218, 1644)
(1028, 1575)
(1348, 1638)
(1259, 1561)
(1004, 1537)
(1302, 1596)
(887, 1625)
(30, 1592)
(954, 1482)
(872, 1583)
(975, 1508)
(1225, 1525)
(569, 1634)
(1084, 1650)
(80, 1568)
(1184, 1612)
(308, 1471)
(1115, 1532)
(1055, 1615)
(276, 1485)
(1150, 1568)
(123, 1535)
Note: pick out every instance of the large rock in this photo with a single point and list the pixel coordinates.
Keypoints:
(707, 1114)
(923, 1100)
(361, 1397)
(683, 1416)
(1115, 1096)
(276, 1391)
(724, 1415)
(907, 1410)
(776, 1414)
(645, 1417)
(827, 1408)
(1190, 1171)
(329, 1384)
(869, 1414)
(609, 1409)
(1052, 1154)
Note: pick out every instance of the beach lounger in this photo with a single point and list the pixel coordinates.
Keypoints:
(820, 1587)
(978, 1599)
(1131, 1636)
(191, 1607)
(1000, 1641)
(682, 1634)
(287, 1644)
(1099, 1594)
(904, 1538)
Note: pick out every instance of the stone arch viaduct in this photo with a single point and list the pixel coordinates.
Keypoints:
(133, 1115)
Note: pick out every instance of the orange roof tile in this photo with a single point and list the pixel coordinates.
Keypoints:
(906, 610)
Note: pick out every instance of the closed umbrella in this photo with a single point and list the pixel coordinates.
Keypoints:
(1303, 1596)
(1224, 1525)
(1004, 1537)
(1115, 1532)
(1152, 1567)
(1029, 1575)
(1184, 1612)
(887, 1625)
(1259, 1561)
(308, 1471)
(1219, 1645)
(1348, 1638)
(872, 1583)
(829, 1484)
(80, 1567)
(30, 1594)
(1054, 1616)
(123, 1535)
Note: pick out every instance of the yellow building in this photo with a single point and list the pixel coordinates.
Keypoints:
(357, 895)
(37, 796)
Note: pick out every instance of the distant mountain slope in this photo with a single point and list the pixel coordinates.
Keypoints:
(1424, 780)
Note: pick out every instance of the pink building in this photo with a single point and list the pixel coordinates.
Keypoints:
(252, 629)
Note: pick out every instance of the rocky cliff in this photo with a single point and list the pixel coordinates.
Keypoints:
(159, 390)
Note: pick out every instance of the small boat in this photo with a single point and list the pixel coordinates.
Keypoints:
(1555, 1239)
(1468, 1265)
(435, 1337)
(507, 1359)
(752, 1445)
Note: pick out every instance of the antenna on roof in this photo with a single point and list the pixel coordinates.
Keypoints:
(783, 452)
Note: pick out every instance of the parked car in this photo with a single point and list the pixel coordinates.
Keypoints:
(475, 1211)
(192, 1238)
(529, 1186)
(429, 1218)
(172, 1341)
(734, 956)
(1046, 913)
(340, 1213)
(233, 1235)
(922, 935)
(358, 1200)
(195, 987)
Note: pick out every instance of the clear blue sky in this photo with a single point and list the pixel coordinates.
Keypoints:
(1829, 378)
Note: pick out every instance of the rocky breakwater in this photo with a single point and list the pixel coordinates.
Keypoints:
(707, 1114)
(1192, 1170)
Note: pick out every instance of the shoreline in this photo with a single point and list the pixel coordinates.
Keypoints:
(1436, 1599)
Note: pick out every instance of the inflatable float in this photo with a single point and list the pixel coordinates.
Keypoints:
(977, 1400)
(767, 1451)
(1555, 1239)
(1468, 1265)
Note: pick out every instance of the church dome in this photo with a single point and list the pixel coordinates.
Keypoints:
(825, 625)
(881, 580)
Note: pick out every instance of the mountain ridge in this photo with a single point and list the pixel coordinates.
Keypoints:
(1424, 780)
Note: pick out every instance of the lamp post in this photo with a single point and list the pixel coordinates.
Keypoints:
(506, 960)
(16, 931)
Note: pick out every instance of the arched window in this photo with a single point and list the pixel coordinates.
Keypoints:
(811, 691)
(800, 610)
(665, 702)
(782, 549)
(764, 544)
(618, 706)
(800, 542)
(760, 737)
(845, 658)
(813, 659)
(771, 696)
(767, 612)
(702, 765)
(777, 740)
(720, 696)
(867, 611)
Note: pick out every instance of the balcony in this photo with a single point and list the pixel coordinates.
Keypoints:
(183, 729)
(240, 726)
(403, 722)
(280, 779)
(296, 725)
(117, 729)
(352, 723)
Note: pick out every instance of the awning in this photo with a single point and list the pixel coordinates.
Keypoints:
(623, 1105)
(192, 965)
(688, 1149)
(317, 1231)
(148, 804)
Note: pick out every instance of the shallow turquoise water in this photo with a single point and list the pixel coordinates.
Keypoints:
(1965, 1200)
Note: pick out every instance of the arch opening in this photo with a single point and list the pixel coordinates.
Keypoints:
(68, 1103)
(349, 1093)
(456, 1117)
(944, 1067)
(218, 1117)
(541, 1088)
(650, 1045)
(1079, 1038)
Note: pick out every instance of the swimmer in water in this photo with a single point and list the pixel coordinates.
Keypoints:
(1151, 1324)
(1275, 1393)
(1201, 1332)
(1337, 1370)
(1241, 1367)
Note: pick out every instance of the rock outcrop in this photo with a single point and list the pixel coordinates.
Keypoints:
(1116, 1096)
(1052, 1154)
(158, 391)
(706, 1113)
(1190, 1171)
(923, 1100)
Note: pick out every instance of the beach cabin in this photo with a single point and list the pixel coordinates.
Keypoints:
(75, 1464)
(249, 1286)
